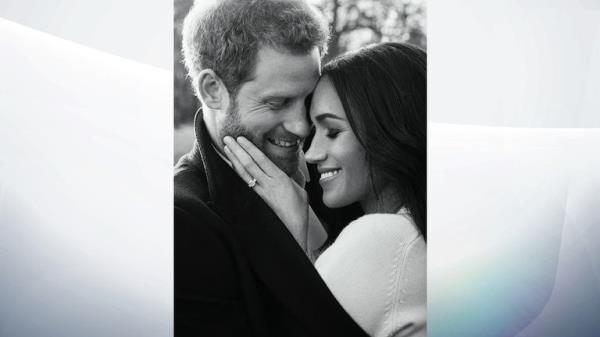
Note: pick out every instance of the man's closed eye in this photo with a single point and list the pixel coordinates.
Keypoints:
(276, 104)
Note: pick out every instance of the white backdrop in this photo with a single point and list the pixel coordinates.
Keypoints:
(525, 63)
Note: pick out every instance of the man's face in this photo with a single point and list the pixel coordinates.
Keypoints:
(269, 109)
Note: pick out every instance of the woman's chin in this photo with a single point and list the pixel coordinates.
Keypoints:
(333, 201)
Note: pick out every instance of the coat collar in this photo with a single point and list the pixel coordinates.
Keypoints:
(273, 253)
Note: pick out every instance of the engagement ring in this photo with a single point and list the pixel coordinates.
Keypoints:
(252, 183)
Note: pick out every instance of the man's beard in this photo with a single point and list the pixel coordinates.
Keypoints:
(233, 127)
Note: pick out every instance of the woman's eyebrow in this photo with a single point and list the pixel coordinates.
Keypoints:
(322, 116)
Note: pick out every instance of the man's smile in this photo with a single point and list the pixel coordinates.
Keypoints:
(285, 143)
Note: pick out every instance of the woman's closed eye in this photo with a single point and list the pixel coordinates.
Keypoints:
(332, 133)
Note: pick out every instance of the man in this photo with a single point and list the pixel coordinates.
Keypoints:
(238, 271)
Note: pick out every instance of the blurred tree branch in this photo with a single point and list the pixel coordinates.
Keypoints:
(355, 23)
(185, 102)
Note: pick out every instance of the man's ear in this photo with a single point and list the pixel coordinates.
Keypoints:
(211, 89)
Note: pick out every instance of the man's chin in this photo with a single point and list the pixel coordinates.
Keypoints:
(287, 165)
(287, 159)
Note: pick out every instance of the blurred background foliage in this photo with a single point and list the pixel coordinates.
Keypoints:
(354, 23)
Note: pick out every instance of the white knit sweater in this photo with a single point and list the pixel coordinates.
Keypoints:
(377, 270)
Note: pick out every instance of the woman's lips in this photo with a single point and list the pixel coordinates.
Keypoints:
(328, 174)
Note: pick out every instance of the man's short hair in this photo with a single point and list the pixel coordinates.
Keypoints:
(227, 35)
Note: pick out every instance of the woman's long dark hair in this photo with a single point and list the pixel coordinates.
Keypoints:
(383, 89)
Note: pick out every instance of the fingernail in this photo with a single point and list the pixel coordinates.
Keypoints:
(226, 149)
(242, 139)
(227, 139)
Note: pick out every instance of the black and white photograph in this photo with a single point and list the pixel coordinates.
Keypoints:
(300, 205)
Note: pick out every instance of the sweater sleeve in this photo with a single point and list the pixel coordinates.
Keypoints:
(376, 269)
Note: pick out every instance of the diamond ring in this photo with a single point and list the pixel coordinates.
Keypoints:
(252, 183)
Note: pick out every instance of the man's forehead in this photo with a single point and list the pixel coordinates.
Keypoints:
(284, 74)
(282, 88)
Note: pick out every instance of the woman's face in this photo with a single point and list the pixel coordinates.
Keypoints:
(340, 159)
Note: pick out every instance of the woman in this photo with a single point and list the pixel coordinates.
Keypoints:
(369, 115)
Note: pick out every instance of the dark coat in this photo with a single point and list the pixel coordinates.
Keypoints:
(238, 271)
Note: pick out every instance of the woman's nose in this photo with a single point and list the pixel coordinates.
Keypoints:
(316, 152)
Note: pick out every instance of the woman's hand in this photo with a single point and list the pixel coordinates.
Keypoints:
(286, 198)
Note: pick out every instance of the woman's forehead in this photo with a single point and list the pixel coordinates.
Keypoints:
(326, 102)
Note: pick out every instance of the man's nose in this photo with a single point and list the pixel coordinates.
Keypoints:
(297, 122)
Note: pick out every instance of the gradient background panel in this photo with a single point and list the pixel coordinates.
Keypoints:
(514, 168)
(86, 244)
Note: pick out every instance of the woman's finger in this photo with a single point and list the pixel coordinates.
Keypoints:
(237, 166)
(245, 160)
(259, 158)
(241, 171)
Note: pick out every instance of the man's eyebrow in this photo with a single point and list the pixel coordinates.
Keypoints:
(283, 93)
(322, 116)
(274, 96)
